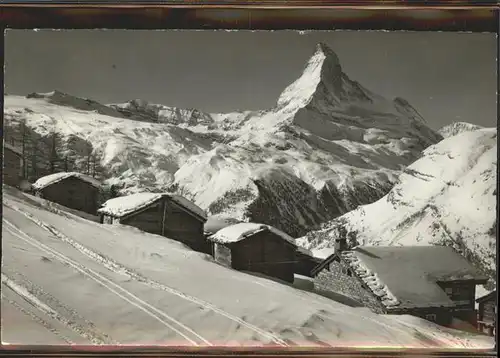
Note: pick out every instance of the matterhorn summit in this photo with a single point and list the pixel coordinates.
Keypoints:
(322, 69)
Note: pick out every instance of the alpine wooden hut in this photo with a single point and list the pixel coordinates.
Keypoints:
(169, 215)
(256, 248)
(71, 189)
(432, 282)
(487, 313)
(12, 165)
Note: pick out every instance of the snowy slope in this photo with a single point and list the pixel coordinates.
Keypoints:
(446, 197)
(68, 280)
(327, 146)
(457, 128)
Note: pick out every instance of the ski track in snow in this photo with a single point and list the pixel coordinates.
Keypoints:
(35, 302)
(121, 269)
(34, 316)
(191, 336)
(35, 294)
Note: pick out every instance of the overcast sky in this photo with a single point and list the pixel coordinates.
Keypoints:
(447, 76)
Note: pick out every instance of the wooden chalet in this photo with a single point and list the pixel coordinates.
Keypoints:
(256, 248)
(71, 189)
(487, 313)
(432, 282)
(169, 215)
(12, 165)
(305, 262)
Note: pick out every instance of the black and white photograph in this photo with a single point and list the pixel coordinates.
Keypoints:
(249, 188)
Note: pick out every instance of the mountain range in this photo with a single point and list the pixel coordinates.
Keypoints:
(447, 197)
(328, 146)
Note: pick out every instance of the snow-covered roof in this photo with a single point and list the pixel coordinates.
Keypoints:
(189, 205)
(406, 277)
(304, 251)
(215, 224)
(241, 231)
(15, 149)
(124, 205)
(57, 177)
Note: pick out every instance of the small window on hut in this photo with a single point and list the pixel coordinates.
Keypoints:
(448, 290)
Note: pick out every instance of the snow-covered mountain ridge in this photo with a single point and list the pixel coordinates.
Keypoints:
(447, 197)
(457, 128)
(327, 146)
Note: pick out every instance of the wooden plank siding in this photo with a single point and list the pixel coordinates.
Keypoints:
(148, 220)
(166, 218)
(462, 293)
(488, 314)
(184, 227)
(305, 264)
(73, 193)
(265, 253)
(12, 167)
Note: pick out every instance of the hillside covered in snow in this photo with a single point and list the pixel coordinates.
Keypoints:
(67, 280)
(327, 146)
(457, 128)
(448, 197)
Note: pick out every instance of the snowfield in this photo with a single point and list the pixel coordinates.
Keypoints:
(67, 280)
(447, 197)
(327, 146)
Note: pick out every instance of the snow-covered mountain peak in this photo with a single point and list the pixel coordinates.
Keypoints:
(323, 67)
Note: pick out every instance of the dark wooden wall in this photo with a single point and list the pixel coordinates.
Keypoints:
(463, 294)
(73, 193)
(179, 225)
(184, 227)
(148, 220)
(265, 253)
(488, 311)
(304, 264)
(12, 167)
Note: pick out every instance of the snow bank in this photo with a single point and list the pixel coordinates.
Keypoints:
(241, 231)
(57, 177)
